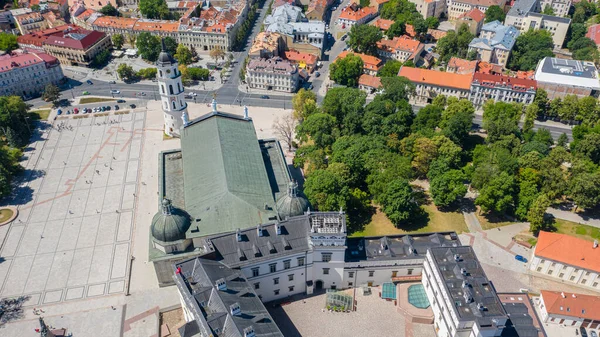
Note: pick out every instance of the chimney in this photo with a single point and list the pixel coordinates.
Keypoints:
(259, 230)
(562, 294)
(573, 295)
(463, 271)
(456, 257)
(249, 332)
(595, 244)
(235, 309)
(278, 228)
(245, 112)
(238, 235)
(221, 284)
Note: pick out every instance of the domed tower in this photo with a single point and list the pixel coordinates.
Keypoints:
(170, 223)
(291, 204)
(171, 92)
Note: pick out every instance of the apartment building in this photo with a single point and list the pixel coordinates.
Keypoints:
(400, 48)
(305, 61)
(495, 43)
(317, 9)
(266, 45)
(463, 300)
(431, 83)
(461, 66)
(569, 309)
(560, 77)
(524, 16)
(559, 7)
(456, 8)
(76, 46)
(371, 64)
(272, 74)
(501, 88)
(567, 259)
(473, 19)
(30, 22)
(297, 32)
(27, 74)
(355, 15)
(369, 83)
(430, 8)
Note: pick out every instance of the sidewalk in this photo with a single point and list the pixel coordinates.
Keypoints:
(573, 217)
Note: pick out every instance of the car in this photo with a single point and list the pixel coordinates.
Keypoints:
(132, 106)
(593, 333)
(75, 111)
(430, 49)
(89, 82)
(317, 74)
(116, 107)
(103, 109)
(120, 101)
(68, 112)
(264, 97)
(520, 258)
(142, 93)
(112, 82)
(107, 108)
(344, 37)
(59, 111)
(583, 332)
(115, 91)
(192, 94)
(86, 93)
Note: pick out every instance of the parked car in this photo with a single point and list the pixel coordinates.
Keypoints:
(317, 74)
(112, 82)
(107, 108)
(115, 91)
(89, 82)
(191, 93)
(264, 97)
(583, 332)
(85, 93)
(59, 111)
(76, 111)
(520, 258)
(132, 106)
(116, 107)
(120, 101)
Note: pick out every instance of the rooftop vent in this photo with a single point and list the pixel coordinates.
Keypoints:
(595, 244)
(259, 230)
(463, 271)
(271, 247)
(480, 307)
(562, 294)
(238, 235)
(249, 332)
(235, 309)
(457, 257)
(278, 228)
(465, 284)
(221, 284)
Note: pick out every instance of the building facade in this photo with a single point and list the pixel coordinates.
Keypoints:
(430, 8)
(76, 46)
(456, 8)
(272, 74)
(353, 15)
(560, 77)
(27, 74)
(473, 19)
(171, 93)
(501, 88)
(569, 309)
(495, 43)
(401, 48)
(30, 22)
(524, 16)
(559, 7)
(571, 260)
(431, 83)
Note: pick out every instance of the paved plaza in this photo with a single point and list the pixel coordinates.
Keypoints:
(73, 234)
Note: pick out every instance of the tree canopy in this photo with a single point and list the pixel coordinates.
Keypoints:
(494, 13)
(347, 70)
(455, 43)
(8, 42)
(530, 48)
(363, 39)
(154, 9)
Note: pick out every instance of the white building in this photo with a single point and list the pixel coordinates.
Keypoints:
(456, 8)
(569, 309)
(171, 93)
(560, 77)
(560, 7)
(566, 258)
(463, 300)
(431, 83)
(501, 88)
(495, 42)
(524, 15)
(272, 74)
(27, 74)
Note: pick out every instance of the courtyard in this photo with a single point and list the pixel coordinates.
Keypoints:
(71, 239)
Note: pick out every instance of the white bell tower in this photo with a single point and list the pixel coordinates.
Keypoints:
(171, 92)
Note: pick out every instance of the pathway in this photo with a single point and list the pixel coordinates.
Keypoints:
(573, 217)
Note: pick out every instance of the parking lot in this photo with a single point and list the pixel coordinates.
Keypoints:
(72, 237)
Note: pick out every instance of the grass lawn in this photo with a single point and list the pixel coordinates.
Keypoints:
(87, 100)
(37, 115)
(5, 214)
(491, 220)
(574, 229)
(438, 222)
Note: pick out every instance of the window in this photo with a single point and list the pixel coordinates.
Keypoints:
(290, 277)
(325, 257)
(371, 273)
(170, 89)
(291, 288)
(286, 264)
(350, 284)
(572, 278)
(561, 275)
(410, 271)
(179, 87)
(539, 269)
(595, 284)
(174, 105)
(254, 272)
(325, 271)
(350, 274)
(587, 273)
(162, 88)
(553, 264)
(276, 292)
(273, 267)
(276, 280)
(257, 285)
(550, 271)
(583, 281)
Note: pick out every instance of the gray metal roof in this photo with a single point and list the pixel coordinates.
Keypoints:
(223, 175)
(520, 8)
(503, 37)
(211, 290)
(551, 18)
(468, 286)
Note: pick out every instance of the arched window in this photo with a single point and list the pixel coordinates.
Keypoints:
(178, 87)
(174, 107)
(181, 103)
(162, 88)
(170, 89)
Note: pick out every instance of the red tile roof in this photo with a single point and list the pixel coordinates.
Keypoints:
(406, 43)
(462, 66)
(369, 81)
(68, 41)
(593, 33)
(437, 78)
(570, 304)
(369, 62)
(297, 56)
(37, 38)
(474, 14)
(520, 84)
(568, 250)
(351, 15)
(383, 24)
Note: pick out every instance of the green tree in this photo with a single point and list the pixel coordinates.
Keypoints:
(347, 106)
(364, 38)
(326, 190)
(398, 202)
(584, 49)
(563, 140)
(432, 22)
(494, 13)
(390, 69)
(320, 128)
(8, 42)
(183, 54)
(154, 9)
(548, 10)
(301, 101)
(13, 121)
(501, 119)
(148, 46)
(147, 73)
(51, 94)
(126, 73)
(427, 119)
(398, 28)
(585, 189)
(118, 40)
(568, 108)
(109, 10)
(531, 47)
(536, 213)
(541, 100)
(531, 113)
(101, 58)
(457, 120)
(455, 43)
(588, 147)
(587, 110)
(347, 70)
(528, 191)
(425, 152)
(198, 74)
(448, 188)
(498, 194)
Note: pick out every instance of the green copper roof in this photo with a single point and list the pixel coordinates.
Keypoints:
(226, 185)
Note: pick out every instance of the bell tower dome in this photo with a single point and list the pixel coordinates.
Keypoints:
(171, 92)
